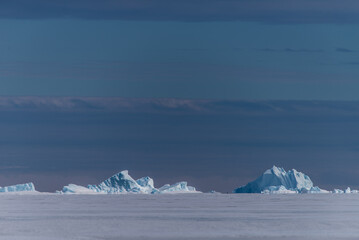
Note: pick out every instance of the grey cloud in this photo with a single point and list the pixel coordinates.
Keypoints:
(345, 50)
(196, 50)
(350, 63)
(177, 106)
(291, 50)
(277, 11)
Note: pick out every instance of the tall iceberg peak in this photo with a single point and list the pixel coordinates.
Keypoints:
(120, 182)
(277, 180)
(145, 182)
(147, 185)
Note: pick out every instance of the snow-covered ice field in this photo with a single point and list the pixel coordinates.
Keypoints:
(179, 216)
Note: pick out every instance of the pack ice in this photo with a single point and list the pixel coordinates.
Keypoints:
(277, 180)
(122, 182)
(26, 187)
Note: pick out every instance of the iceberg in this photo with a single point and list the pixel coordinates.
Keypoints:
(347, 190)
(277, 180)
(122, 182)
(147, 184)
(26, 187)
(73, 188)
(315, 190)
(180, 187)
(338, 191)
(278, 190)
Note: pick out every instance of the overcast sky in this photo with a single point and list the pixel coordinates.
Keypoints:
(139, 55)
(238, 49)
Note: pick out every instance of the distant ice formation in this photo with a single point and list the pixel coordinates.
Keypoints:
(176, 188)
(277, 180)
(26, 187)
(273, 181)
(146, 182)
(347, 190)
(73, 188)
(122, 182)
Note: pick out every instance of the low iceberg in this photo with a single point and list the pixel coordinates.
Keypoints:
(277, 180)
(278, 190)
(76, 189)
(338, 191)
(180, 187)
(26, 187)
(347, 190)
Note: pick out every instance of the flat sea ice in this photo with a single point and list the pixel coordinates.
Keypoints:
(180, 216)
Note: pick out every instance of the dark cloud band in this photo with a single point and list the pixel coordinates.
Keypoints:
(169, 106)
(277, 11)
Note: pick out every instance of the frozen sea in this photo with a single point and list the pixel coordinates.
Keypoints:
(179, 216)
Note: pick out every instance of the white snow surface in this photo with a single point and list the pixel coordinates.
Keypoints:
(179, 217)
(277, 180)
(122, 182)
(26, 187)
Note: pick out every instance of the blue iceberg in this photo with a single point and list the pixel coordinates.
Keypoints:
(180, 187)
(26, 187)
(122, 182)
(277, 180)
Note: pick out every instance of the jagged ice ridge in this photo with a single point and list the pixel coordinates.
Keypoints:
(272, 181)
(122, 182)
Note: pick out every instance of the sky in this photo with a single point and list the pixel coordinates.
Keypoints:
(213, 144)
(68, 68)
